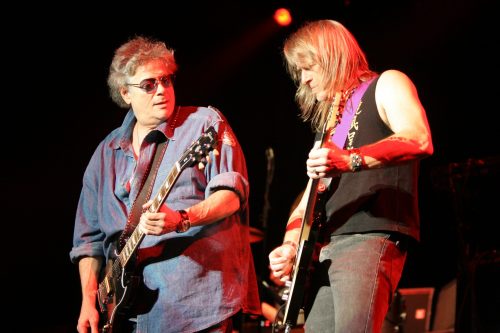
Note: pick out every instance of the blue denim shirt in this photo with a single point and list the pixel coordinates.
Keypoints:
(200, 277)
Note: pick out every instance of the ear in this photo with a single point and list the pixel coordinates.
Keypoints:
(125, 95)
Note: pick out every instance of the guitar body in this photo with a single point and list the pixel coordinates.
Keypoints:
(121, 280)
(288, 315)
(117, 299)
(299, 285)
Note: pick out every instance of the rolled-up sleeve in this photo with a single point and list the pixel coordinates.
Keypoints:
(87, 236)
(229, 170)
(230, 181)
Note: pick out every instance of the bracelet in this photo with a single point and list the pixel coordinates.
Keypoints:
(356, 160)
(291, 243)
(184, 224)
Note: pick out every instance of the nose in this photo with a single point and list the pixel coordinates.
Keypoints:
(161, 85)
(305, 77)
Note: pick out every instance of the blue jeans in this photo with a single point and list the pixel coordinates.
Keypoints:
(363, 271)
(225, 326)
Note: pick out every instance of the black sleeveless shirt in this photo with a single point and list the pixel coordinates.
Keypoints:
(374, 200)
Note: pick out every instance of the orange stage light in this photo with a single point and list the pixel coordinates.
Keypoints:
(283, 17)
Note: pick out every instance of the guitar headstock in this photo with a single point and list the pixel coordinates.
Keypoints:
(198, 151)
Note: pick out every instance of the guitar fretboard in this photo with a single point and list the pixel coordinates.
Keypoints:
(137, 236)
(295, 293)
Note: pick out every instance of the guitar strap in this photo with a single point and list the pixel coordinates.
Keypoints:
(144, 194)
(352, 106)
(339, 137)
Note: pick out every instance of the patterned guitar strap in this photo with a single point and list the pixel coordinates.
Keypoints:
(145, 192)
(352, 106)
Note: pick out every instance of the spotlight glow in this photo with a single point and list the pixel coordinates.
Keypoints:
(283, 17)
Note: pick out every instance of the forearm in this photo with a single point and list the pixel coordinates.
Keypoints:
(294, 223)
(89, 268)
(292, 238)
(394, 150)
(217, 206)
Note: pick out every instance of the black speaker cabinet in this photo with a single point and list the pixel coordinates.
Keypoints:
(410, 311)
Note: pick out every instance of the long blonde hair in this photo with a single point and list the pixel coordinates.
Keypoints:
(343, 64)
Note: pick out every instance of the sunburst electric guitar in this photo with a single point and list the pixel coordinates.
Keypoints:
(116, 288)
(293, 295)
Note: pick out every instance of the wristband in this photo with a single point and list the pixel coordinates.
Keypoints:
(295, 224)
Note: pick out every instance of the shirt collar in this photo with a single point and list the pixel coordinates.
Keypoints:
(121, 137)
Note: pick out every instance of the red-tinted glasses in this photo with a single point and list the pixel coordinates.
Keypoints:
(150, 85)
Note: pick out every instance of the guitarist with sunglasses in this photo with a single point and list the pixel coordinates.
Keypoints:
(360, 208)
(161, 234)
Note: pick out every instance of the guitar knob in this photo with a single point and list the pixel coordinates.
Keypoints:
(288, 283)
(321, 187)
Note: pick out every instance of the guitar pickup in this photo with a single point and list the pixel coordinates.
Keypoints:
(286, 291)
(104, 293)
(107, 285)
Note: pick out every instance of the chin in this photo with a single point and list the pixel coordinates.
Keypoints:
(168, 111)
(321, 96)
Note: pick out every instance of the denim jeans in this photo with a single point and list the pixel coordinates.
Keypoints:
(225, 326)
(363, 271)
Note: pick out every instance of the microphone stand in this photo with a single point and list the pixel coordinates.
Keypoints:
(266, 205)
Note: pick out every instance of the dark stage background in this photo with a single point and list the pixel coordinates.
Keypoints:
(56, 110)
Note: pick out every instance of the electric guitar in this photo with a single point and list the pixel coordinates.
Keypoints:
(311, 220)
(115, 290)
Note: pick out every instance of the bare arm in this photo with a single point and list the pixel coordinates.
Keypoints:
(400, 108)
(281, 258)
(89, 268)
(217, 206)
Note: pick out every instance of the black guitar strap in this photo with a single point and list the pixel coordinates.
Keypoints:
(144, 194)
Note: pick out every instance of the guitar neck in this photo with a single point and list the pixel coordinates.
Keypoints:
(307, 238)
(194, 153)
(308, 217)
(137, 236)
(313, 185)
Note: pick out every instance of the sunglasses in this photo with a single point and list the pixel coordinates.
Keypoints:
(150, 85)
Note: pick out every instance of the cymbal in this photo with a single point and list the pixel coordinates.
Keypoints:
(256, 235)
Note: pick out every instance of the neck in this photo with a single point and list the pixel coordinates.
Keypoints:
(138, 135)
